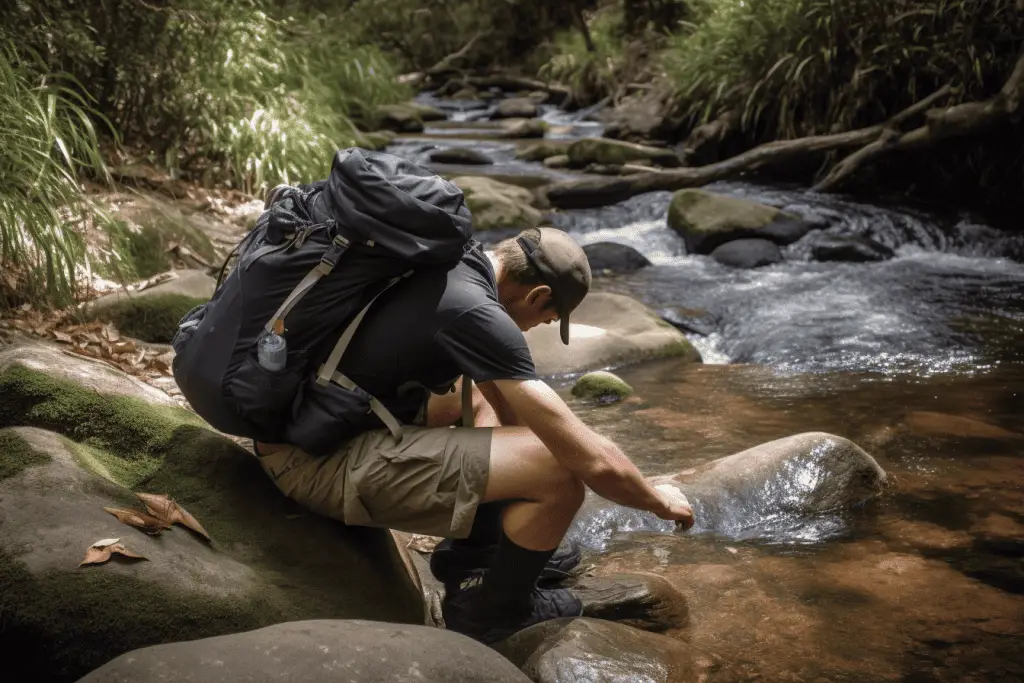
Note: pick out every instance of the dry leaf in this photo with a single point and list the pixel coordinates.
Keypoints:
(164, 508)
(62, 337)
(139, 520)
(126, 346)
(111, 333)
(101, 551)
(91, 338)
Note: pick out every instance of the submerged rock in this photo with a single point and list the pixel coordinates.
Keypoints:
(616, 152)
(849, 248)
(706, 220)
(614, 258)
(460, 155)
(97, 439)
(317, 651)
(585, 650)
(779, 484)
(646, 601)
(601, 386)
(747, 253)
(516, 108)
(607, 329)
(498, 205)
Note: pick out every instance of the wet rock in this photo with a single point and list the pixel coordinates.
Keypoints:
(466, 93)
(747, 253)
(616, 152)
(516, 108)
(104, 436)
(607, 329)
(601, 386)
(706, 220)
(376, 140)
(693, 320)
(539, 151)
(592, 651)
(460, 155)
(498, 205)
(427, 112)
(400, 118)
(613, 258)
(314, 652)
(560, 161)
(930, 423)
(524, 128)
(779, 483)
(637, 120)
(849, 248)
(646, 601)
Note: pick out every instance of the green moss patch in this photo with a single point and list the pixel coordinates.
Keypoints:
(144, 249)
(149, 318)
(601, 386)
(17, 454)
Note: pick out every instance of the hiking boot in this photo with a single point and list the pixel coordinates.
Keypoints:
(465, 612)
(452, 565)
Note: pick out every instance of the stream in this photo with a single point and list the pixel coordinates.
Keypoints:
(919, 360)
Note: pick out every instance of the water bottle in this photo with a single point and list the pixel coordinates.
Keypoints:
(272, 350)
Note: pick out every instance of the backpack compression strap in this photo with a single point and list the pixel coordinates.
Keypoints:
(327, 263)
(467, 401)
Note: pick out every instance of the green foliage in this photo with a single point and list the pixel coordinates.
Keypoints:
(591, 74)
(47, 137)
(797, 67)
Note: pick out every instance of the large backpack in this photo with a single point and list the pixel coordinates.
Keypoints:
(316, 259)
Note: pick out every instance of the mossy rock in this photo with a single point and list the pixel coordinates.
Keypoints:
(151, 319)
(601, 386)
(559, 161)
(376, 140)
(497, 205)
(523, 128)
(400, 118)
(427, 112)
(606, 152)
(269, 561)
(17, 454)
(148, 226)
(539, 151)
(706, 221)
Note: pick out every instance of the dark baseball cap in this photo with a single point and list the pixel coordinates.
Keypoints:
(562, 265)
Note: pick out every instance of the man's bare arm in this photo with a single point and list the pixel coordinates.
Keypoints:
(596, 460)
(506, 416)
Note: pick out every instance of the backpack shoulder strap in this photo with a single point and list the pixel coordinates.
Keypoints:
(467, 401)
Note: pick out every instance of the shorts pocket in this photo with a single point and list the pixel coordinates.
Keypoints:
(266, 398)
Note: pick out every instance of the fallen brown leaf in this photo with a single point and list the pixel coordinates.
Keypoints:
(62, 337)
(111, 333)
(101, 551)
(139, 520)
(164, 508)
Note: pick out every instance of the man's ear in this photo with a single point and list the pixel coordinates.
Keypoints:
(538, 296)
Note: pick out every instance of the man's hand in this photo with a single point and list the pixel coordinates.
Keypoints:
(675, 507)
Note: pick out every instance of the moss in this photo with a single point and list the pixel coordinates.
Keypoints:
(601, 386)
(139, 433)
(699, 211)
(149, 318)
(616, 152)
(111, 613)
(17, 454)
(145, 249)
(376, 140)
(539, 151)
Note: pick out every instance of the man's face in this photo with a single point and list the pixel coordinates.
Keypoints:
(531, 306)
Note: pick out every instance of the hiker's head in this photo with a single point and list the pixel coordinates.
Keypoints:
(544, 276)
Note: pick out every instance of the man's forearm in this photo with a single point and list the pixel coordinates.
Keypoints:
(617, 479)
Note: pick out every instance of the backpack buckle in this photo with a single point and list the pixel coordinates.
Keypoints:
(339, 245)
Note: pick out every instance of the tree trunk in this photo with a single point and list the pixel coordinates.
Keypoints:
(584, 29)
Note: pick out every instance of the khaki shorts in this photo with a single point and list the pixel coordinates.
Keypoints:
(429, 483)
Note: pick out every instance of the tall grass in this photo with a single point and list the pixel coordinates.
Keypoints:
(47, 137)
(796, 67)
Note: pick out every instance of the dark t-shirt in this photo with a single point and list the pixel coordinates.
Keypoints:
(426, 332)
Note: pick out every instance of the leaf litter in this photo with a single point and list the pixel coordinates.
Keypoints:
(101, 551)
(166, 509)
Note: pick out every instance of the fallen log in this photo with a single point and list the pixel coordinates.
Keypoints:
(969, 118)
(515, 83)
(445, 65)
(589, 193)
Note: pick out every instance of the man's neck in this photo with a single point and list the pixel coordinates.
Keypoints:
(499, 269)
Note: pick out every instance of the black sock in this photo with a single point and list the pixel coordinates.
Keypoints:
(514, 573)
(486, 529)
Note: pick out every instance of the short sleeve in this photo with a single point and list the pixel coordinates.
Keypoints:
(486, 345)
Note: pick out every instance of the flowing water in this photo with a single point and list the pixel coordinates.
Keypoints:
(919, 360)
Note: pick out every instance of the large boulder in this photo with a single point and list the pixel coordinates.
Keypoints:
(460, 155)
(616, 152)
(706, 220)
(586, 650)
(400, 118)
(98, 439)
(747, 253)
(316, 651)
(613, 258)
(516, 108)
(779, 483)
(495, 204)
(607, 329)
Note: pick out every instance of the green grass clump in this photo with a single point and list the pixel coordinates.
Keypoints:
(152, 318)
(17, 454)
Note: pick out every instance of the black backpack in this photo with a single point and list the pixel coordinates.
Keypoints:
(316, 259)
